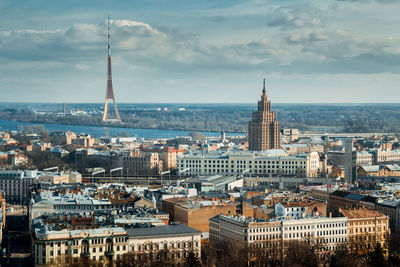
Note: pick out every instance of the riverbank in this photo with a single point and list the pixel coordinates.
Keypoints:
(98, 131)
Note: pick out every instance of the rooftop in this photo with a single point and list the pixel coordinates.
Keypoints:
(360, 213)
(171, 230)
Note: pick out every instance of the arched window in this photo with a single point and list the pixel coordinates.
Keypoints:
(85, 246)
(109, 244)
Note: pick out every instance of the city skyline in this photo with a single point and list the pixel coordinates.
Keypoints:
(189, 52)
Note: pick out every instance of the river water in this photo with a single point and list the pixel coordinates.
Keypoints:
(98, 131)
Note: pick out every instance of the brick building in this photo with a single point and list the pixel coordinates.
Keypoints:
(195, 212)
(346, 200)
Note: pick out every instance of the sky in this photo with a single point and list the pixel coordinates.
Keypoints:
(184, 51)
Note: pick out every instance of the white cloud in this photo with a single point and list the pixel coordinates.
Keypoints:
(83, 67)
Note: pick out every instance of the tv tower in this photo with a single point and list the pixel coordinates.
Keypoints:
(110, 91)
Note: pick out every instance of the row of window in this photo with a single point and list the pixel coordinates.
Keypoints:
(237, 161)
(155, 246)
(331, 232)
(264, 237)
(262, 230)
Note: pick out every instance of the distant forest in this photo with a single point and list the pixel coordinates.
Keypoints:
(217, 117)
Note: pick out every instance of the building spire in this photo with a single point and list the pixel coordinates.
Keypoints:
(108, 31)
(264, 93)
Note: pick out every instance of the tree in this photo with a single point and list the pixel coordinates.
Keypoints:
(192, 260)
(224, 254)
(300, 253)
(376, 257)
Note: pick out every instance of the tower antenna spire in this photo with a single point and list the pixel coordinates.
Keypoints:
(108, 32)
(264, 87)
(110, 91)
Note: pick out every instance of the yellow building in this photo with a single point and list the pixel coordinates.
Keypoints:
(366, 228)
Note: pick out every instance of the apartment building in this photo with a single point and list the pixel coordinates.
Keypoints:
(195, 212)
(16, 184)
(47, 202)
(366, 228)
(177, 239)
(55, 248)
(264, 163)
(328, 233)
(391, 208)
(386, 155)
(346, 200)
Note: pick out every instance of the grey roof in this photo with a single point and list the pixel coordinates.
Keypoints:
(167, 230)
(371, 168)
(355, 196)
(389, 203)
(393, 167)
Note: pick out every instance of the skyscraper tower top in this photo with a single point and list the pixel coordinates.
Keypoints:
(264, 130)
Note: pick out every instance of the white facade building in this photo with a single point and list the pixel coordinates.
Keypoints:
(177, 239)
(15, 184)
(289, 211)
(364, 158)
(46, 203)
(58, 247)
(387, 155)
(264, 163)
(328, 233)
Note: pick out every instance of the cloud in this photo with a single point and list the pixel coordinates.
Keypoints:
(82, 67)
(296, 16)
(71, 42)
(305, 50)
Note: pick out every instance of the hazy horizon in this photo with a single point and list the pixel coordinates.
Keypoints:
(211, 103)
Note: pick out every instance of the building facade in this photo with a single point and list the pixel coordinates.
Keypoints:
(266, 163)
(264, 129)
(195, 212)
(386, 155)
(142, 163)
(57, 247)
(391, 208)
(16, 184)
(329, 233)
(366, 229)
(178, 240)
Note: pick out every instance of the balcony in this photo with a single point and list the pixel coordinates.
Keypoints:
(109, 253)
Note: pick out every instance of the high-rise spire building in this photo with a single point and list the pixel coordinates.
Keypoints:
(264, 130)
(110, 91)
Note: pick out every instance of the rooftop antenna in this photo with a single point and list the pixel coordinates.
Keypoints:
(264, 87)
